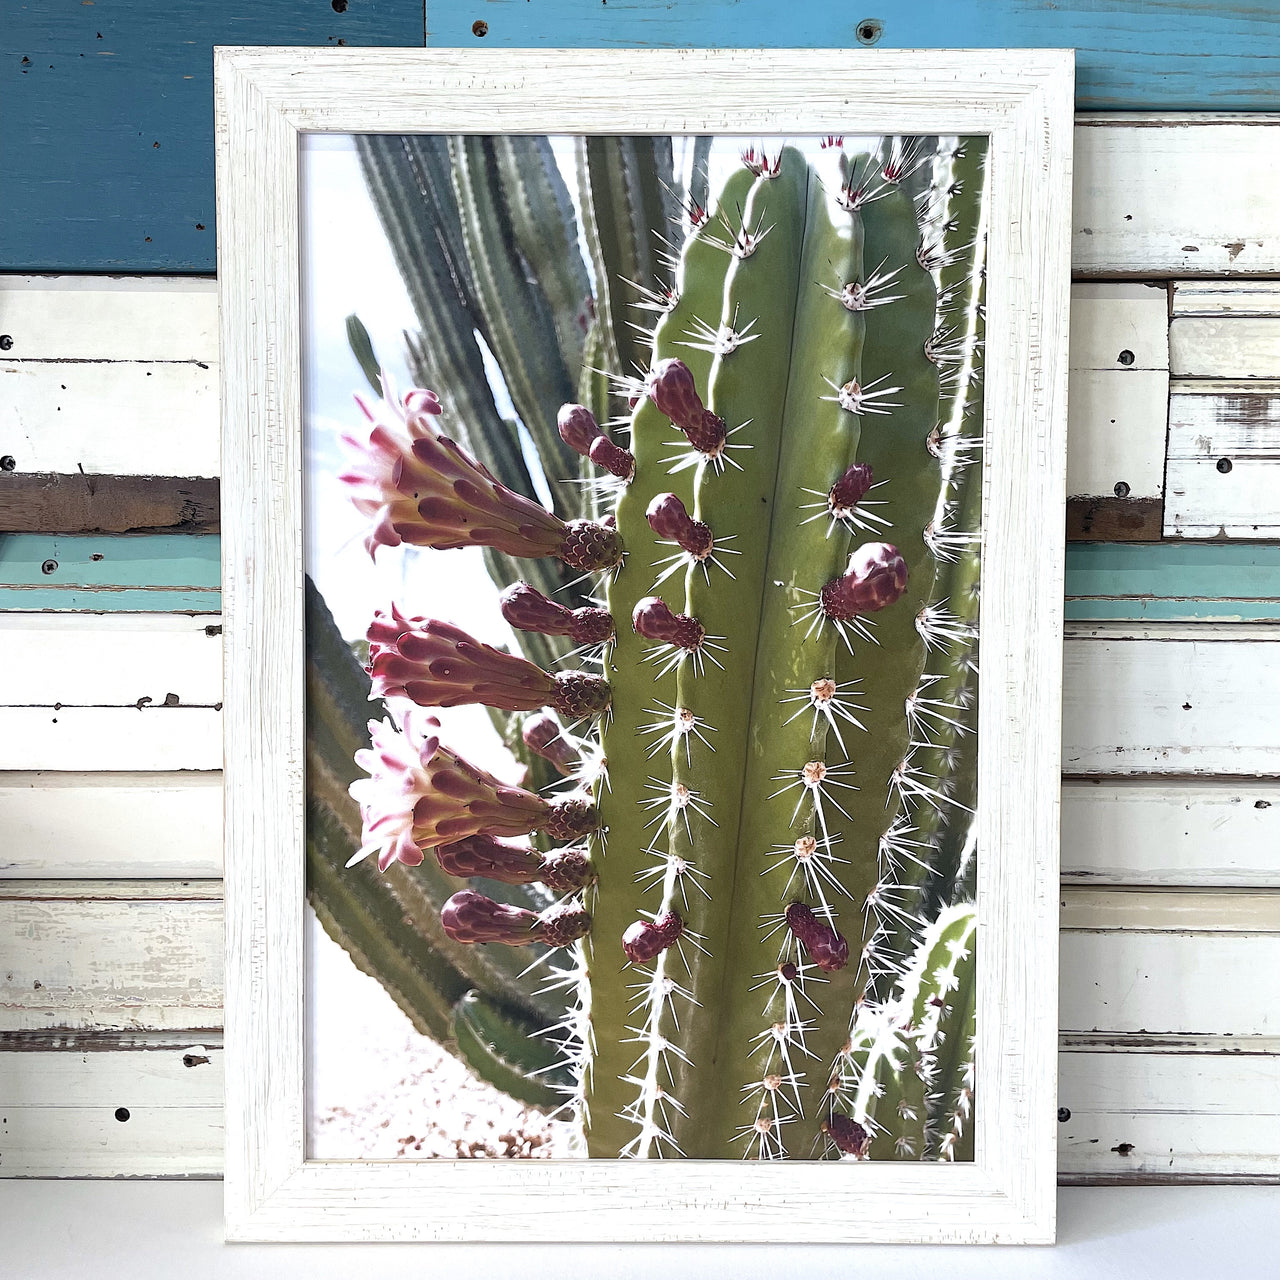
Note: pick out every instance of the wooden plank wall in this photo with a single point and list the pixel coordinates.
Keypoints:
(110, 842)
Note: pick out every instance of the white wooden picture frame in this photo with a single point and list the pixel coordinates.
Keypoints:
(267, 98)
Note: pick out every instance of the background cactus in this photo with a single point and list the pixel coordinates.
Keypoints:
(773, 967)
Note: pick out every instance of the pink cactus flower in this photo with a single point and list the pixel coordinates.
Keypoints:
(875, 578)
(421, 794)
(436, 664)
(419, 487)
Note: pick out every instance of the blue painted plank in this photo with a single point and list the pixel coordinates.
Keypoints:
(171, 573)
(106, 157)
(1173, 582)
(1154, 582)
(106, 154)
(1161, 55)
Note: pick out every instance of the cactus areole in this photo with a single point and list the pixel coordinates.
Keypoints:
(739, 779)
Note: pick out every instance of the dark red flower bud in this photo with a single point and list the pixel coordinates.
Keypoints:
(577, 427)
(493, 859)
(875, 578)
(527, 609)
(470, 917)
(848, 1135)
(826, 948)
(669, 518)
(851, 488)
(544, 737)
(672, 389)
(561, 870)
(655, 621)
(646, 939)
(570, 818)
(612, 458)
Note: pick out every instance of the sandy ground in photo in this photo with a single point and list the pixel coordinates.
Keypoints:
(377, 1090)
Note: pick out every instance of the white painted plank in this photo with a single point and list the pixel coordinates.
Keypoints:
(1154, 832)
(123, 418)
(1119, 380)
(1119, 327)
(1116, 433)
(116, 965)
(1170, 964)
(1147, 200)
(100, 1113)
(1223, 460)
(1234, 297)
(91, 825)
(157, 738)
(82, 317)
(1192, 1115)
(1178, 699)
(105, 659)
(1225, 347)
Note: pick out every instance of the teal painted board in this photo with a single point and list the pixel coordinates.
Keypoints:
(106, 154)
(1152, 582)
(169, 573)
(1131, 55)
(1173, 582)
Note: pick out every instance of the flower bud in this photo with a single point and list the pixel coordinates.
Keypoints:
(826, 948)
(654, 620)
(645, 940)
(668, 518)
(876, 576)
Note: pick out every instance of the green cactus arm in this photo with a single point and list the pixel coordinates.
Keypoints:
(748, 387)
(625, 187)
(546, 230)
(896, 1105)
(508, 1053)
(795, 650)
(952, 1082)
(638, 697)
(516, 314)
(369, 929)
(897, 377)
(362, 348)
(700, 173)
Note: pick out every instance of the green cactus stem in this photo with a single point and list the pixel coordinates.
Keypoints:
(739, 969)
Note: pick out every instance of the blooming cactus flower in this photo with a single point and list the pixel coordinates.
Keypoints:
(419, 487)
(421, 794)
(436, 664)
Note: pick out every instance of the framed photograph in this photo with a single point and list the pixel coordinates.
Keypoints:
(643, 483)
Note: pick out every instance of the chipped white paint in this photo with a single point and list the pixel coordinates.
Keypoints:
(1176, 195)
(1191, 699)
(1223, 460)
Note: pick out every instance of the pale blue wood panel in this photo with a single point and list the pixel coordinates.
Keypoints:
(1160, 582)
(87, 188)
(106, 150)
(170, 573)
(1173, 582)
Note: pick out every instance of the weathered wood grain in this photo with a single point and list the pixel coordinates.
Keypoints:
(1203, 1111)
(1223, 460)
(1146, 201)
(1189, 700)
(110, 825)
(1168, 962)
(111, 1107)
(1117, 411)
(1154, 832)
(44, 503)
(118, 964)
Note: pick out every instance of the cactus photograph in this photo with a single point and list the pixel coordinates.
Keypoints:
(645, 487)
